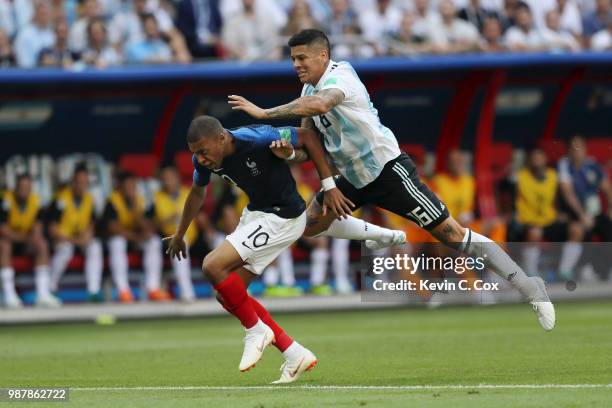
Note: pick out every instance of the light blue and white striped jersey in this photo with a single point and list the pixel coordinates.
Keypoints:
(358, 143)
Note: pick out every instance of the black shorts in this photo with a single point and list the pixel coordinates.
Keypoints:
(21, 249)
(398, 189)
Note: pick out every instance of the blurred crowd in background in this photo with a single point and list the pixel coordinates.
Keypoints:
(70, 212)
(76, 34)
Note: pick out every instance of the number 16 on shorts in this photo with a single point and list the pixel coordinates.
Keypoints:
(420, 216)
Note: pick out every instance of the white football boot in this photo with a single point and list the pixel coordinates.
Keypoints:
(298, 360)
(48, 301)
(256, 340)
(13, 302)
(543, 307)
(398, 238)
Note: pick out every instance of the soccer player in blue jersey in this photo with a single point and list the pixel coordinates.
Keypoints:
(255, 159)
(373, 170)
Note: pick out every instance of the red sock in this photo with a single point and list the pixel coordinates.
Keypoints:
(282, 340)
(236, 300)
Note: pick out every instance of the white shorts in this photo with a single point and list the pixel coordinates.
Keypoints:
(260, 237)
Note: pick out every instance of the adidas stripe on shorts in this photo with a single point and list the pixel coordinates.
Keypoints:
(398, 189)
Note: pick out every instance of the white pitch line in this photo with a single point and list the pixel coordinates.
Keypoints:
(347, 387)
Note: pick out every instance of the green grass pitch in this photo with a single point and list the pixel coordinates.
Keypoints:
(445, 348)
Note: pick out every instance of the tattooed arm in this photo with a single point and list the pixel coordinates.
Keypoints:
(305, 106)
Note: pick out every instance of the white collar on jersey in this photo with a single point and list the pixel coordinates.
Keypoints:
(329, 68)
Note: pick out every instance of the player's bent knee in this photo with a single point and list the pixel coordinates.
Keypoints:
(576, 231)
(212, 269)
(534, 234)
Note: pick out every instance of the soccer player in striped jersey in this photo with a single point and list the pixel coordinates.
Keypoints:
(373, 170)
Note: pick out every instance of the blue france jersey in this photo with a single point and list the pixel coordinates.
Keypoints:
(265, 178)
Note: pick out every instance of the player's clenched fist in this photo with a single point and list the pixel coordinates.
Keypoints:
(176, 247)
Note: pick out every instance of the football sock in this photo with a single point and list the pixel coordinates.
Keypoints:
(152, 261)
(42, 278)
(236, 300)
(285, 264)
(498, 261)
(340, 259)
(182, 270)
(7, 274)
(531, 256)
(270, 275)
(94, 263)
(282, 339)
(357, 229)
(117, 251)
(59, 262)
(318, 259)
(570, 255)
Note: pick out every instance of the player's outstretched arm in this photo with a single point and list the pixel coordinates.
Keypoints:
(306, 106)
(176, 244)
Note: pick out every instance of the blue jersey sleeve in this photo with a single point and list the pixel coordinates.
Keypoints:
(265, 134)
(201, 175)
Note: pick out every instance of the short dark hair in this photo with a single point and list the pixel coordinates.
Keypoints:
(80, 168)
(203, 126)
(533, 148)
(93, 22)
(22, 176)
(148, 16)
(521, 5)
(309, 37)
(124, 175)
(168, 167)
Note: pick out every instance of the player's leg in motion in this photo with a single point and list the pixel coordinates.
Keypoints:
(298, 359)
(410, 196)
(7, 276)
(252, 247)
(42, 274)
(375, 237)
(218, 266)
(477, 245)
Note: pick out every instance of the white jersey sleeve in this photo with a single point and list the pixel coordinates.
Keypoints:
(342, 80)
(359, 144)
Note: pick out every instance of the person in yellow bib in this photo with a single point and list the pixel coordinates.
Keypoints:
(21, 232)
(124, 223)
(72, 224)
(537, 217)
(456, 187)
(168, 205)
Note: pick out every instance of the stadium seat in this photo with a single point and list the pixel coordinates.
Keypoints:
(416, 152)
(182, 161)
(142, 165)
(555, 149)
(22, 264)
(501, 160)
